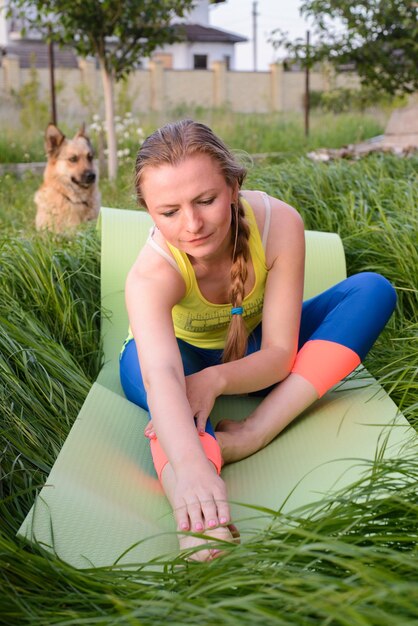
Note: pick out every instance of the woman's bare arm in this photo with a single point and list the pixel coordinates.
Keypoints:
(152, 288)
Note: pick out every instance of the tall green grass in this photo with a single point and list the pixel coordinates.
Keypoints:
(351, 561)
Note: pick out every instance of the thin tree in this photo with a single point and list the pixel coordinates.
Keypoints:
(117, 32)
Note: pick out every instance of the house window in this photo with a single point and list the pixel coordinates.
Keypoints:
(200, 61)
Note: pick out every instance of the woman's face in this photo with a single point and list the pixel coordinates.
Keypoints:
(190, 204)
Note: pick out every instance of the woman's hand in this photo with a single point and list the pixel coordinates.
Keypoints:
(199, 499)
(202, 390)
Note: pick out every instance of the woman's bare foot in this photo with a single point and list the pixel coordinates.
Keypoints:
(223, 533)
(237, 439)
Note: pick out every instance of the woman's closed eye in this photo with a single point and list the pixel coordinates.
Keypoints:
(170, 213)
(206, 201)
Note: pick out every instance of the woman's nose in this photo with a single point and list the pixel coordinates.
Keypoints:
(193, 221)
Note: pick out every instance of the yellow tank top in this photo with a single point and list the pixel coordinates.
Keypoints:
(205, 324)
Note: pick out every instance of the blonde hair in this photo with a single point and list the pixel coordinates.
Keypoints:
(170, 145)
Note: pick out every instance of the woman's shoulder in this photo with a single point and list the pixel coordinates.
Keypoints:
(151, 271)
(281, 213)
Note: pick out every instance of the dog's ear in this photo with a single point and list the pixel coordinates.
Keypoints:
(82, 131)
(53, 139)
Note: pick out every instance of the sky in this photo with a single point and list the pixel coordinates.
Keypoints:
(236, 16)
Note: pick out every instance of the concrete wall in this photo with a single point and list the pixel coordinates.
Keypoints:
(158, 89)
(186, 87)
(249, 91)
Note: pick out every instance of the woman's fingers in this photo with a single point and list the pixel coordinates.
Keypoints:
(197, 522)
(200, 515)
(189, 516)
(223, 512)
(182, 518)
(199, 499)
(215, 511)
(210, 514)
(201, 420)
(149, 431)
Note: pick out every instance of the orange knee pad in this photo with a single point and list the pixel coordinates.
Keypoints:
(209, 445)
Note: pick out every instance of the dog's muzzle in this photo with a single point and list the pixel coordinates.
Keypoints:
(86, 179)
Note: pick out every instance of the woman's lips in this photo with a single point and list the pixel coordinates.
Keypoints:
(199, 239)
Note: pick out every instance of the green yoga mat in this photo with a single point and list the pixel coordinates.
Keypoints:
(102, 504)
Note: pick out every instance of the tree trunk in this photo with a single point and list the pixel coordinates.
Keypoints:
(51, 64)
(307, 104)
(112, 158)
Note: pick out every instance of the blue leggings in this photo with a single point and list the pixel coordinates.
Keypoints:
(338, 328)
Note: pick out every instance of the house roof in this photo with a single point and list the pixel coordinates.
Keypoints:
(197, 32)
(35, 54)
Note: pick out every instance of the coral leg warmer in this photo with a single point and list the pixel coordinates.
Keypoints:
(209, 445)
(324, 363)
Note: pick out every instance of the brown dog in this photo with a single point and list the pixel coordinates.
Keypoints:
(69, 194)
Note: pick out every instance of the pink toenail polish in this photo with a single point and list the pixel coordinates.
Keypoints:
(199, 526)
(223, 520)
(211, 523)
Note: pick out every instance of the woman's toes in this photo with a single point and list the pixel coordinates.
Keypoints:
(223, 533)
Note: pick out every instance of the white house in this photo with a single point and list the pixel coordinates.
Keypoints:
(201, 45)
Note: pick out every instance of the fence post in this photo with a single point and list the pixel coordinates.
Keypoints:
(157, 91)
(277, 87)
(11, 73)
(219, 97)
(88, 72)
(328, 76)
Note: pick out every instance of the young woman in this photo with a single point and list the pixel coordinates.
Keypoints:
(215, 307)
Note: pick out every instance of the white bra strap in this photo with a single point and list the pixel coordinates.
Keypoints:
(160, 250)
(266, 229)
